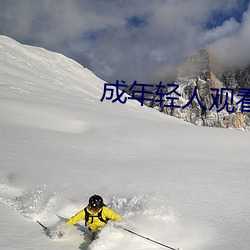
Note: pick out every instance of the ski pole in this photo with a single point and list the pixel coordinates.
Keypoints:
(45, 228)
(146, 238)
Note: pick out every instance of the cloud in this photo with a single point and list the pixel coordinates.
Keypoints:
(125, 40)
(228, 28)
(232, 50)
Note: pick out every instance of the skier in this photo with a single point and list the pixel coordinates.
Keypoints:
(95, 214)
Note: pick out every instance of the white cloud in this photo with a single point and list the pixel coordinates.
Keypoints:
(233, 49)
(100, 33)
(228, 28)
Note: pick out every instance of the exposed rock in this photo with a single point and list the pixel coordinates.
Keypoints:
(208, 106)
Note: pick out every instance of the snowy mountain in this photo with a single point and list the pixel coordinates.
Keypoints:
(201, 71)
(182, 185)
(217, 100)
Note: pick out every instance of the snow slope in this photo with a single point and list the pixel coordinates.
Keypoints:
(176, 183)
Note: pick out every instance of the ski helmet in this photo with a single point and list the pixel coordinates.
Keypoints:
(95, 202)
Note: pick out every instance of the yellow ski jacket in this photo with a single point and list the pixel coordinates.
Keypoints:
(94, 223)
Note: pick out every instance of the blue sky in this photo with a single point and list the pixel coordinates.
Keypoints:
(218, 17)
(131, 40)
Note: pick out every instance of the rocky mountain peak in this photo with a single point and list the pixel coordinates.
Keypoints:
(197, 64)
(210, 93)
(215, 103)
